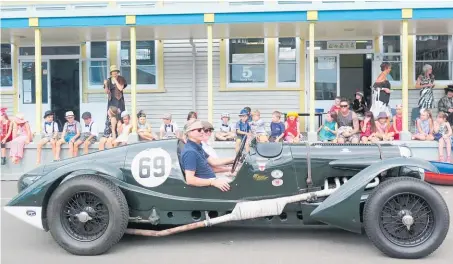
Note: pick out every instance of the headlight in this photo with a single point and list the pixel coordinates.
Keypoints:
(405, 151)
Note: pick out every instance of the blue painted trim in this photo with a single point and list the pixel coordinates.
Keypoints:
(179, 19)
(259, 17)
(357, 15)
(432, 13)
(98, 21)
(14, 23)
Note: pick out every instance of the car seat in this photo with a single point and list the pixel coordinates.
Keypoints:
(179, 150)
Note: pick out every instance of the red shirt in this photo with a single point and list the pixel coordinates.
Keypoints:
(335, 108)
(292, 127)
(5, 127)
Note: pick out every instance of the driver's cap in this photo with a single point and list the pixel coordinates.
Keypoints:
(196, 124)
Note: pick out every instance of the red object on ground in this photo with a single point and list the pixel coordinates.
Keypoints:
(439, 178)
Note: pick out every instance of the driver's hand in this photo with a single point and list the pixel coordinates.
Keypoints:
(221, 184)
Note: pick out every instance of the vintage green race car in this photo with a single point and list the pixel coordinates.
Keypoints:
(89, 202)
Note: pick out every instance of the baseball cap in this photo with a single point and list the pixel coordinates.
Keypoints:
(243, 112)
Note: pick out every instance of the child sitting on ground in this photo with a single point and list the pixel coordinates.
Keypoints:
(368, 129)
(397, 125)
(425, 126)
(124, 130)
(277, 127)
(383, 127)
(442, 134)
(225, 130)
(168, 129)
(71, 132)
(292, 130)
(6, 133)
(89, 134)
(50, 135)
(258, 128)
(328, 131)
(144, 130)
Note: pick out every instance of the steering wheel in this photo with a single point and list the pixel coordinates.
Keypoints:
(239, 154)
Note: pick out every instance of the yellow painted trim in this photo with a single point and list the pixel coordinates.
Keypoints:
(260, 89)
(377, 44)
(83, 54)
(130, 20)
(271, 63)
(411, 50)
(160, 3)
(113, 52)
(312, 76)
(223, 65)
(405, 74)
(302, 81)
(7, 92)
(33, 22)
(38, 80)
(160, 66)
(15, 64)
(210, 73)
(406, 13)
(312, 15)
(133, 84)
(209, 18)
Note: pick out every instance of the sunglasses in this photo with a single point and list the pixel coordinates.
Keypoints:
(207, 130)
(343, 106)
(198, 130)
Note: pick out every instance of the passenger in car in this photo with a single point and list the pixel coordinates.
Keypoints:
(197, 163)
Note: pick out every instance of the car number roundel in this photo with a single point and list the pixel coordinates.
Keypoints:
(151, 167)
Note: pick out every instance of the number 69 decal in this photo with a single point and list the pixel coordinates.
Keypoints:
(151, 167)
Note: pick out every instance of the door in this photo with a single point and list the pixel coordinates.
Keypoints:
(27, 93)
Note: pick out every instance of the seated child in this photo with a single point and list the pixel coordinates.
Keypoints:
(359, 105)
(425, 126)
(71, 132)
(277, 127)
(328, 131)
(368, 129)
(383, 127)
(21, 136)
(258, 128)
(89, 134)
(397, 125)
(6, 133)
(124, 130)
(168, 129)
(336, 107)
(192, 116)
(243, 129)
(50, 135)
(144, 130)
(442, 134)
(111, 128)
(292, 130)
(225, 130)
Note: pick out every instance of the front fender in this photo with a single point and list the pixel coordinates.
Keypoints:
(342, 208)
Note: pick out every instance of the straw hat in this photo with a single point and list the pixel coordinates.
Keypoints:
(114, 68)
(20, 118)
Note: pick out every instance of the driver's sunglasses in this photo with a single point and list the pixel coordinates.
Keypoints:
(343, 106)
(199, 130)
(207, 130)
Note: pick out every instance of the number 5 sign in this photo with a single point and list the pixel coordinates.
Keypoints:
(151, 167)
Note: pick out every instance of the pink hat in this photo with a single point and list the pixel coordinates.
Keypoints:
(20, 119)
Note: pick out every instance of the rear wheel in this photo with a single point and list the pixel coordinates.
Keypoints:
(87, 215)
(406, 218)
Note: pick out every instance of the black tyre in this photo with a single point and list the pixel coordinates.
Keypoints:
(87, 215)
(406, 218)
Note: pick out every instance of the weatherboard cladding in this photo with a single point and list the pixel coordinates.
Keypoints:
(7, 100)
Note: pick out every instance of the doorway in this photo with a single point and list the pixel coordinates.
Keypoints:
(64, 88)
(355, 75)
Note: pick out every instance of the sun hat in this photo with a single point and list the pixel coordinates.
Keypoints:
(225, 115)
(20, 118)
(295, 114)
(243, 112)
(196, 124)
(382, 115)
(114, 68)
(69, 113)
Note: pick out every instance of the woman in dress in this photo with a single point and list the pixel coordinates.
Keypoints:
(21, 136)
(425, 82)
(114, 87)
(381, 91)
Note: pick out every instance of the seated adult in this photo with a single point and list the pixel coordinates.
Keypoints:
(206, 145)
(446, 104)
(348, 124)
(197, 163)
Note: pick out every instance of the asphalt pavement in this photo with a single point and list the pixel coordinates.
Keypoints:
(22, 243)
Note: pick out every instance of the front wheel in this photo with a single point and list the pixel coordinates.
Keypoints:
(406, 218)
(87, 215)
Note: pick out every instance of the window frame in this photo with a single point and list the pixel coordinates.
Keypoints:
(438, 82)
(263, 85)
(400, 54)
(13, 58)
(277, 62)
(89, 60)
(156, 60)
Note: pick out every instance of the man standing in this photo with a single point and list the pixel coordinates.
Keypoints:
(446, 103)
(114, 87)
(349, 123)
(197, 163)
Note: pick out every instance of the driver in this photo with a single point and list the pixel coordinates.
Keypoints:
(197, 163)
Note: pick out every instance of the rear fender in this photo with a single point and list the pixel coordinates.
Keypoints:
(342, 208)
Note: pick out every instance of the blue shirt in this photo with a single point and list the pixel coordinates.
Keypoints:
(244, 127)
(194, 158)
(277, 129)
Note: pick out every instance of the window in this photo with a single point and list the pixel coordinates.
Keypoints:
(6, 69)
(326, 77)
(434, 50)
(247, 60)
(146, 62)
(392, 54)
(51, 50)
(287, 60)
(98, 64)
